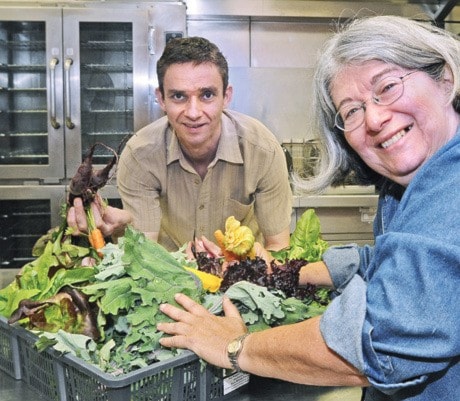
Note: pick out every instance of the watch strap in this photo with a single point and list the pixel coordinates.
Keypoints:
(233, 357)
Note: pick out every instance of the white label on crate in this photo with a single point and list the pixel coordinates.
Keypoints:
(235, 381)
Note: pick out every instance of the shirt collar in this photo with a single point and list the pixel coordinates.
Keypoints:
(227, 150)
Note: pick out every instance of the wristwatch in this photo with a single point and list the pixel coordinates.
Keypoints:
(234, 348)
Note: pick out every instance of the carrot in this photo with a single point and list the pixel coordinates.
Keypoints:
(97, 241)
(95, 237)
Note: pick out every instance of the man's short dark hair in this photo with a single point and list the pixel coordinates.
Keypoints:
(194, 49)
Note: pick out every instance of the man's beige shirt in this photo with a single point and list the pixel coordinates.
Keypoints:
(248, 179)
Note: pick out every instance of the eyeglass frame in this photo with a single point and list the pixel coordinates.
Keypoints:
(374, 99)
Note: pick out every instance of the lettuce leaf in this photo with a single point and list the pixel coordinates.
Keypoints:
(305, 242)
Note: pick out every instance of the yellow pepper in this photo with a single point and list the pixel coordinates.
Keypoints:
(209, 281)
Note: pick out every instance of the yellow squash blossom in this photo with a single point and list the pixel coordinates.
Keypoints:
(238, 240)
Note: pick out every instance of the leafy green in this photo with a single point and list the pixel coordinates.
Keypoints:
(262, 308)
(305, 242)
(58, 265)
(256, 298)
(133, 279)
(128, 285)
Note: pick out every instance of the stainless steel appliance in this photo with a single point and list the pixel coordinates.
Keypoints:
(71, 75)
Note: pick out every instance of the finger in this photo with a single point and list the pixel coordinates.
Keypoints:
(177, 335)
(262, 252)
(173, 312)
(199, 247)
(213, 249)
(173, 328)
(100, 214)
(72, 222)
(78, 203)
(98, 200)
(230, 310)
(174, 341)
(190, 305)
(189, 251)
(80, 215)
(96, 214)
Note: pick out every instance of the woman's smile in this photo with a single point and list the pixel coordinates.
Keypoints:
(396, 138)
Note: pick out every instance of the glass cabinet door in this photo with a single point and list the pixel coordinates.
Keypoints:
(106, 79)
(26, 213)
(22, 223)
(30, 136)
(106, 85)
(23, 93)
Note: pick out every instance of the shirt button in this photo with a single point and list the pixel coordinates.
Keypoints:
(197, 181)
(201, 207)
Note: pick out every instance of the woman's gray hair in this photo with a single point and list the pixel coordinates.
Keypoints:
(394, 40)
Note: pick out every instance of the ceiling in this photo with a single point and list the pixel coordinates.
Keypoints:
(436, 10)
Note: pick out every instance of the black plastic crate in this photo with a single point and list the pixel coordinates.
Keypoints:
(9, 351)
(68, 378)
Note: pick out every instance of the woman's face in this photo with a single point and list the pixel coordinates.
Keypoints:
(397, 139)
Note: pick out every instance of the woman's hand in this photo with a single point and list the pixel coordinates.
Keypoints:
(200, 331)
(110, 220)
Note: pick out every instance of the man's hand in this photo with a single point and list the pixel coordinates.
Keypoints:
(110, 220)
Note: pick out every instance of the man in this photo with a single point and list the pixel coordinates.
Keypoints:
(183, 175)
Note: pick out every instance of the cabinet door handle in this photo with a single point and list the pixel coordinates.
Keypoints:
(53, 121)
(68, 119)
(151, 40)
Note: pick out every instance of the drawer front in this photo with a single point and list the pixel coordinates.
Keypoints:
(343, 225)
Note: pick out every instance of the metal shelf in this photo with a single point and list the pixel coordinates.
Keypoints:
(104, 68)
(22, 68)
(108, 45)
(23, 44)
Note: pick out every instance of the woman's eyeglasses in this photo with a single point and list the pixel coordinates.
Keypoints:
(385, 92)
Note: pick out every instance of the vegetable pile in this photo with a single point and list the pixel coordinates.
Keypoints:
(122, 294)
(45, 293)
(107, 313)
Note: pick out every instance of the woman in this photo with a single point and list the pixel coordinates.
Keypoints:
(387, 97)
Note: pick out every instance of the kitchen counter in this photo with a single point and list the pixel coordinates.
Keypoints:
(346, 196)
(258, 388)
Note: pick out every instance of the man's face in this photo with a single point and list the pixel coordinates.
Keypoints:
(193, 101)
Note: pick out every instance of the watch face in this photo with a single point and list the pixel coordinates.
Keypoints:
(233, 347)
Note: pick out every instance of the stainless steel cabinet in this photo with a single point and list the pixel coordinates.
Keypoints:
(346, 214)
(73, 76)
(26, 213)
(70, 75)
(27, 136)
